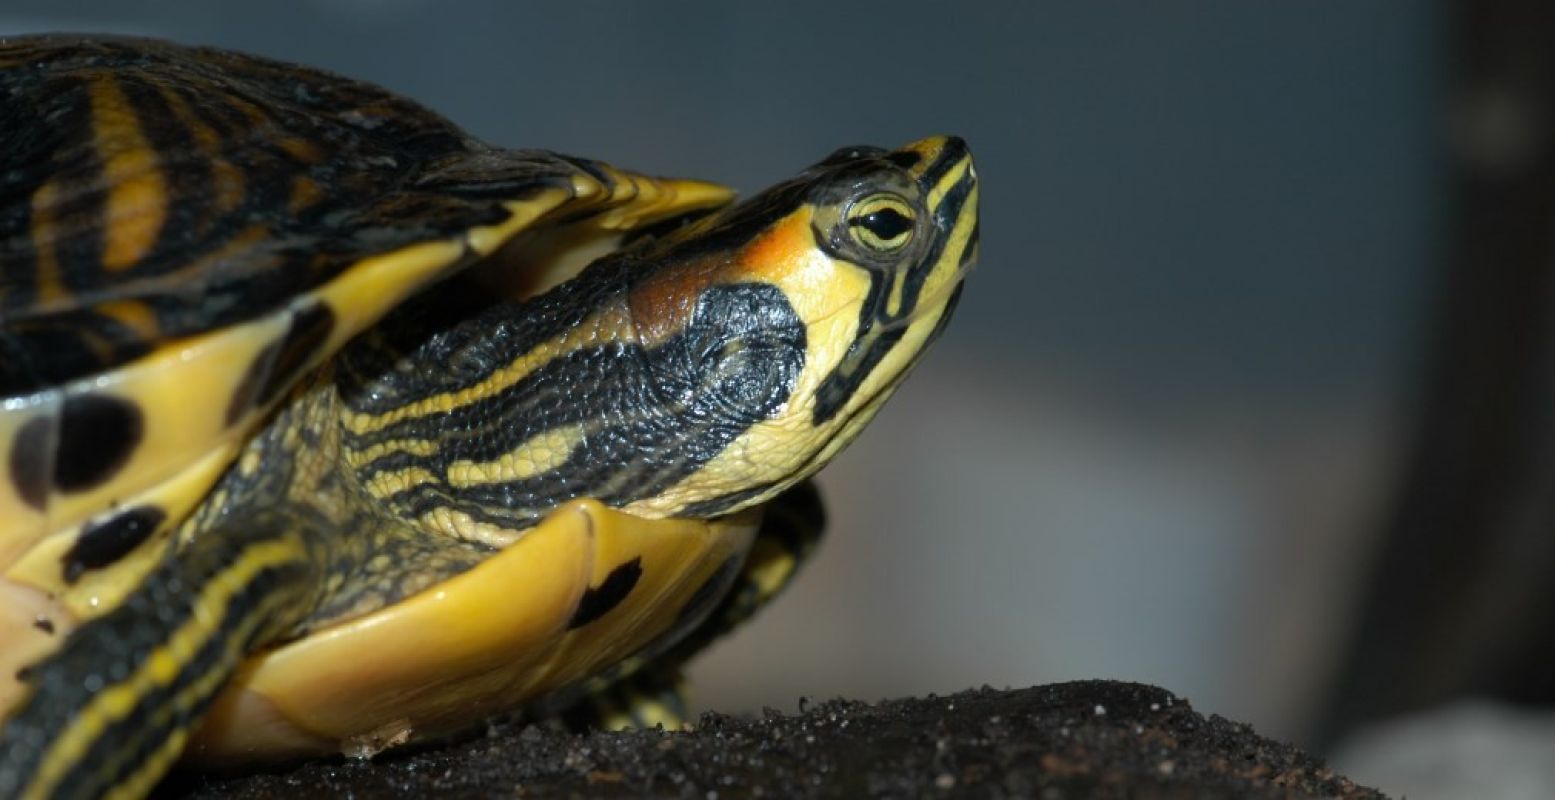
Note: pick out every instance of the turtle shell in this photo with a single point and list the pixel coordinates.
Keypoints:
(186, 233)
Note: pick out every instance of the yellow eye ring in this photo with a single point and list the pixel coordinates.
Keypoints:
(881, 222)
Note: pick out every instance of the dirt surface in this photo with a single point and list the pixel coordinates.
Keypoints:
(1072, 740)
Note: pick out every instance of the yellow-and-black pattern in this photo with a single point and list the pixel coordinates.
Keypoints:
(488, 498)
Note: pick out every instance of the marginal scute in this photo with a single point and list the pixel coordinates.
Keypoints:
(97, 434)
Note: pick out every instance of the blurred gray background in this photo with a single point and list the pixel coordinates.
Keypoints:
(1158, 441)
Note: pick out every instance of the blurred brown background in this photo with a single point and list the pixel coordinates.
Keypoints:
(1251, 396)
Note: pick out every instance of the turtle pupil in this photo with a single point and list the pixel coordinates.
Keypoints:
(887, 224)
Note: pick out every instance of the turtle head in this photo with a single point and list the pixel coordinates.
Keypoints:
(816, 297)
(704, 368)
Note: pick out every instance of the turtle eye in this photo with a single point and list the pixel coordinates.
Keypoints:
(881, 222)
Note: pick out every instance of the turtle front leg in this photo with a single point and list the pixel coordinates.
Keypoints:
(644, 695)
(108, 713)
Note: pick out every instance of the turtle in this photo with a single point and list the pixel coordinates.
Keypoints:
(327, 427)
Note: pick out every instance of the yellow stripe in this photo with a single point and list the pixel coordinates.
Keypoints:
(415, 447)
(611, 324)
(947, 182)
(137, 192)
(456, 524)
(540, 454)
(385, 484)
(893, 304)
(164, 664)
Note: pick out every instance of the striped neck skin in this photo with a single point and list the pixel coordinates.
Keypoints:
(694, 375)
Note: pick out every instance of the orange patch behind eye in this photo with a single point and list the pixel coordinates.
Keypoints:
(662, 304)
(776, 253)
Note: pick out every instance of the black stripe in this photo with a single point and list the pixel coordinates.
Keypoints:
(944, 319)
(952, 153)
(78, 214)
(972, 242)
(945, 217)
(843, 382)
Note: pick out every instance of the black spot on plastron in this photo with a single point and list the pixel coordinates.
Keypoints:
(599, 600)
(103, 542)
(97, 434)
(277, 365)
(29, 462)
